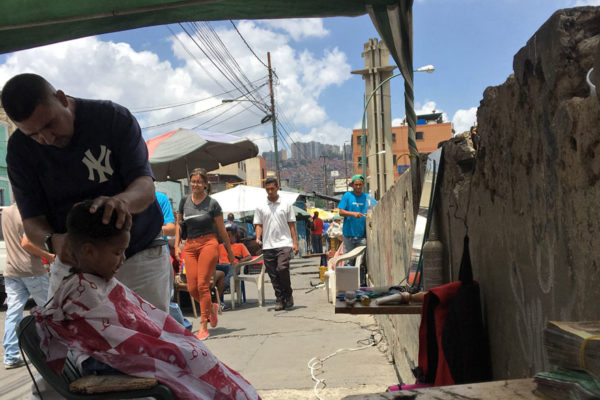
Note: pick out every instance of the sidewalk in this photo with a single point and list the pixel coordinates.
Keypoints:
(272, 349)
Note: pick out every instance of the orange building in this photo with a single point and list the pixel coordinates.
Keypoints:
(430, 131)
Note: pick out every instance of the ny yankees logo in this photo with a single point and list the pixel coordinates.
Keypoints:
(100, 164)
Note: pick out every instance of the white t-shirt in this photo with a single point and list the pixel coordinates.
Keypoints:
(274, 218)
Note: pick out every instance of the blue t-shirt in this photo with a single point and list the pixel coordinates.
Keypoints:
(165, 206)
(105, 155)
(355, 227)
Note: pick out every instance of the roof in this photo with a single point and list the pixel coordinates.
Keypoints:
(29, 23)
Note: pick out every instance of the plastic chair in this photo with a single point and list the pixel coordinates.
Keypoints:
(29, 342)
(182, 287)
(239, 277)
(357, 253)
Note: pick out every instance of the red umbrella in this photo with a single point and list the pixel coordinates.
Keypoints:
(173, 154)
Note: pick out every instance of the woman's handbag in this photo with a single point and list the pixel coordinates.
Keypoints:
(182, 230)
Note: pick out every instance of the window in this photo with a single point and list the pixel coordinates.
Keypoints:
(419, 135)
(359, 160)
(395, 159)
(358, 140)
(394, 139)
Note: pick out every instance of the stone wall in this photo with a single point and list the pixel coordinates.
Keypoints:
(527, 198)
(389, 239)
(531, 210)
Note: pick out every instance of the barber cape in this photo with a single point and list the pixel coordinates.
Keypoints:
(112, 324)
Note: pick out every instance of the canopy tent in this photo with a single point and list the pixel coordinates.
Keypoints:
(244, 198)
(173, 154)
(30, 23)
(323, 214)
(300, 215)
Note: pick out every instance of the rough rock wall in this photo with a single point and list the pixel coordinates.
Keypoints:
(531, 205)
(389, 239)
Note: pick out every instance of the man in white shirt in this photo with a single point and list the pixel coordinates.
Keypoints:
(276, 232)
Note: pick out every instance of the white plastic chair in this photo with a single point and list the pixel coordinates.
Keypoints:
(235, 284)
(357, 253)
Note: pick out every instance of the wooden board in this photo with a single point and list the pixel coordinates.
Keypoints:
(357, 308)
(110, 383)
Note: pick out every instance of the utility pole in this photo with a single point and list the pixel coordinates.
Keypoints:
(345, 168)
(273, 120)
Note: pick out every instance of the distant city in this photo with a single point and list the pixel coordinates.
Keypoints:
(304, 168)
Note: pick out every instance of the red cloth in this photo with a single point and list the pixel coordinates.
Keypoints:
(444, 294)
(239, 250)
(112, 324)
(317, 226)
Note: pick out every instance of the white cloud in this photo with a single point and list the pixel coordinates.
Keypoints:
(580, 3)
(92, 68)
(463, 120)
(429, 107)
(329, 133)
(300, 29)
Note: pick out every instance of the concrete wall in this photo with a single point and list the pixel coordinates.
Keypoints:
(531, 209)
(389, 239)
(528, 197)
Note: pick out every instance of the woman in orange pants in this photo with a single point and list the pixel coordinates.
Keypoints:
(202, 220)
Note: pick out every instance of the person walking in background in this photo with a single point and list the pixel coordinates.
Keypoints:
(202, 220)
(276, 230)
(24, 276)
(317, 233)
(353, 207)
(66, 150)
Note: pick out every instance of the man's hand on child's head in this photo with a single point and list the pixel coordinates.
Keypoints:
(112, 205)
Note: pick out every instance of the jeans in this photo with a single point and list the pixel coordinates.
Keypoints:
(228, 271)
(350, 243)
(317, 243)
(18, 291)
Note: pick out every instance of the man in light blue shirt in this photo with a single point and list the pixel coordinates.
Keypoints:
(353, 207)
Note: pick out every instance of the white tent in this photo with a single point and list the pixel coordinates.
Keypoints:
(247, 198)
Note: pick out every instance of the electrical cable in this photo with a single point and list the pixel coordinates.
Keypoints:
(194, 57)
(221, 57)
(317, 363)
(247, 45)
(142, 110)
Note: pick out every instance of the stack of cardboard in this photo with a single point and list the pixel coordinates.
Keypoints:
(575, 348)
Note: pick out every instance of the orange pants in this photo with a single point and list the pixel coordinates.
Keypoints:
(201, 255)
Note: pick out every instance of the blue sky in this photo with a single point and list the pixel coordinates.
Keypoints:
(471, 43)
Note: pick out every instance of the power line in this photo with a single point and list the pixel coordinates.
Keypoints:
(194, 57)
(248, 127)
(247, 45)
(157, 108)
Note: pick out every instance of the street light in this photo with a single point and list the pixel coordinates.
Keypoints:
(426, 68)
(266, 118)
(363, 138)
(362, 161)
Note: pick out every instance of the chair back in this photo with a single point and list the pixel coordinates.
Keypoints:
(29, 342)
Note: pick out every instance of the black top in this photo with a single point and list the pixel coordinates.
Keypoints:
(199, 218)
(105, 154)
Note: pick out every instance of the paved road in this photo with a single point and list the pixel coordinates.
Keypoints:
(272, 349)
